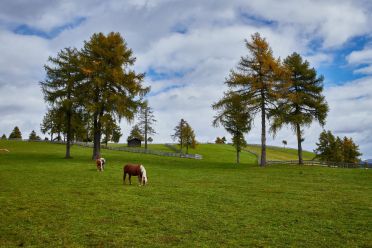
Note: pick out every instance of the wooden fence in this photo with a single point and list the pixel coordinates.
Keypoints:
(320, 163)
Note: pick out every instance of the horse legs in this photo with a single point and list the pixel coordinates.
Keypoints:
(139, 180)
(130, 181)
(125, 174)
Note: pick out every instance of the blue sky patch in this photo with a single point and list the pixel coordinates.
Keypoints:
(254, 19)
(339, 72)
(25, 29)
(162, 75)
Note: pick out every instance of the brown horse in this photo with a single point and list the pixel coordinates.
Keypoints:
(135, 170)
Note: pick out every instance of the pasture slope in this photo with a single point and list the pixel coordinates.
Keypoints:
(48, 201)
(279, 153)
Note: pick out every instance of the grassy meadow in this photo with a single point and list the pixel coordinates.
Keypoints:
(48, 201)
(279, 153)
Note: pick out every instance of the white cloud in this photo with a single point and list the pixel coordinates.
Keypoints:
(360, 57)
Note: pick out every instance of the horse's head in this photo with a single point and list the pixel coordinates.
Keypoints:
(144, 175)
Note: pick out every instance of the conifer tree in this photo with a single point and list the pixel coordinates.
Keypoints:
(15, 134)
(324, 146)
(62, 88)
(110, 129)
(258, 81)
(178, 133)
(3, 137)
(136, 133)
(111, 87)
(188, 137)
(146, 121)
(350, 151)
(335, 149)
(33, 136)
(235, 117)
(303, 102)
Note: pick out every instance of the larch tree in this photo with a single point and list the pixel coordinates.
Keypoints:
(146, 120)
(136, 133)
(178, 133)
(303, 102)
(334, 149)
(111, 87)
(188, 137)
(33, 136)
(350, 151)
(235, 117)
(15, 134)
(258, 82)
(53, 123)
(62, 88)
(110, 129)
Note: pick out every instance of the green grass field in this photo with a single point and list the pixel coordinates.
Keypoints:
(278, 153)
(48, 201)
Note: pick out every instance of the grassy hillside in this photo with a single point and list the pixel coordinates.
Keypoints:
(278, 153)
(47, 201)
(157, 147)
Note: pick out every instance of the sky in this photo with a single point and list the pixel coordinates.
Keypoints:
(187, 49)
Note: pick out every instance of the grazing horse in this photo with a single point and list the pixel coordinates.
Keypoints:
(100, 162)
(135, 170)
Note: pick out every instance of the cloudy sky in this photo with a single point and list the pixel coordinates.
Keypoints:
(187, 48)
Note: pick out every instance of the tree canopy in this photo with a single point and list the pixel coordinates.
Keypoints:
(235, 117)
(334, 149)
(15, 134)
(303, 102)
(258, 83)
(110, 86)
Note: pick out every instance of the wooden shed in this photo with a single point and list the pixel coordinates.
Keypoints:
(134, 142)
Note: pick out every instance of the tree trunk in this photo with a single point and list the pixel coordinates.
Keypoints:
(187, 149)
(237, 155)
(299, 143)
(68, 135)
(263, 133)
(146, 128)
(96, 138)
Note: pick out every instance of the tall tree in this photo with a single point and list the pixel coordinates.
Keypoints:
(178, 133)
(324, 146)
(136, 133)
(146, 121)
(33, 136)
(111, 87)
(350, 151)
(116, 134)
(335, 149)
(61, 87)
(235, 117)
(54, 122)
(284, 143)
(303, 102)
(218, 140)
(110, 129)
(258, 83)
(188, 137)
(15, 134)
